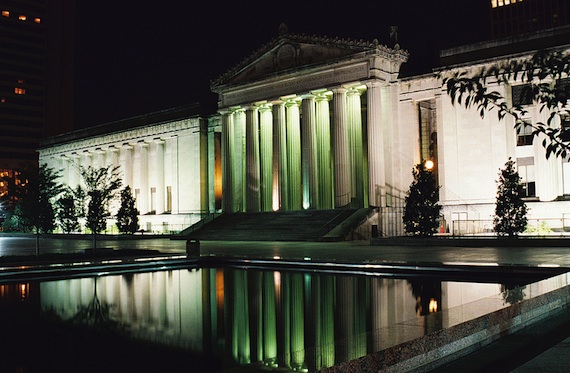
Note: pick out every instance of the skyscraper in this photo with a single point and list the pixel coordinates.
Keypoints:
(36, 70)
(515, 17)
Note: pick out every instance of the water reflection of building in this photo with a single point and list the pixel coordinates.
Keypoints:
(294, 320)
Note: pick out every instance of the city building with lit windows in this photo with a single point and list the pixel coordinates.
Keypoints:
(515, 17)
(36, 66)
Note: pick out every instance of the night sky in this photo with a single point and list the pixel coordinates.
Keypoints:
(139, 56)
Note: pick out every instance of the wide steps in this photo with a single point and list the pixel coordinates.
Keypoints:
(307, 225)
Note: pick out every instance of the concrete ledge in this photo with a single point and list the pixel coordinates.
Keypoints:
(448, 241)
(456, 335)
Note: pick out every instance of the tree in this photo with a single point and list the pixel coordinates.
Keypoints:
(421, 211)
(33, 193)
(128, 214)
(544, 78)
(100, 188)
(68, 212)
(510, 209)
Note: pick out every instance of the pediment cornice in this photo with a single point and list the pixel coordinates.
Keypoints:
(289, 52)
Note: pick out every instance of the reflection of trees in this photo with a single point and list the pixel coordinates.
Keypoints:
(512, 293)
(427, 294)
(95, 314)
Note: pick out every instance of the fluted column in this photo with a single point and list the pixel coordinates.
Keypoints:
(309, 144)
(294, 154)
(158, 172)
(324, 155)
(280, 154)
(252, 202)
(238, 159)
(376, 162)
(355, 148)
(266, 157)
(341, 156)
(141, 159)
(227, 149)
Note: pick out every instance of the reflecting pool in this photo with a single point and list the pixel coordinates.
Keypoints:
(215, 319)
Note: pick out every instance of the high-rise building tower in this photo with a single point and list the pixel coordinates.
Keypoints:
(515, 17)
(36, 70)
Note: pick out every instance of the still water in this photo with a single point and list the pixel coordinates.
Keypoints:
(213, 319)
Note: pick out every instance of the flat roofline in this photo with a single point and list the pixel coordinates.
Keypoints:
(511, 45)
(193, 110)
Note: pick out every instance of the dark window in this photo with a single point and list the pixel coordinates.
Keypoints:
(522, 94)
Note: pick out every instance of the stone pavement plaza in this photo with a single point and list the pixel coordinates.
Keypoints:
(554, 359)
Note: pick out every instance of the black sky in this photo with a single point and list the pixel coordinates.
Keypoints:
(139, 56)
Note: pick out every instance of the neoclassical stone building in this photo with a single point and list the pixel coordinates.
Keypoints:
(166, 157)
(309, 122)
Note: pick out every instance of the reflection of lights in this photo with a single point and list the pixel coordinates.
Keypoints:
(546, 265)
(276, 257)
(432, 305)
(306, 258)
(429, 165)
(23, 291)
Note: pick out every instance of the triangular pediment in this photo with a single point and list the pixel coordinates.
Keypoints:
(290, 52)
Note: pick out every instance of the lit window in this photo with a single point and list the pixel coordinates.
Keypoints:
(19, 91)
(501, 3)
(21, 81)
(524, 135)
(22, 17)
(38, 20)
(5, 13)
(3, 99)
(525, 168)
(493, 3)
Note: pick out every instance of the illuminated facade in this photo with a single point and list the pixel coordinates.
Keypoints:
(320, 123)
(167, 158)
(312, 123)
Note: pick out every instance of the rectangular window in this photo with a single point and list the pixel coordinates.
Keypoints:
(522, 94)
(169, 199)
(524, 135)
(525, 168)
(565, 125)
(153, 200)
(5, 13)
(19, 91)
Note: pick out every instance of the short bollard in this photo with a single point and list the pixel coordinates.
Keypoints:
(193, 248)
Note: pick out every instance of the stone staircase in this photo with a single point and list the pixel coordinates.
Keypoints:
(306, 225)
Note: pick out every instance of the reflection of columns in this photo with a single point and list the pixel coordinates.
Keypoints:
(341, 156)
(252, 182)
(280, 153)
(266, 154)
(227, 150)
(294, 155)
(297, 321)
(269, 321)
(355, 148)
(376, 162)
(345, 324)
(324, 161)
(309, 142)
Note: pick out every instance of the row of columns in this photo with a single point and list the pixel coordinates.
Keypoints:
(142, 165)
(289, 155)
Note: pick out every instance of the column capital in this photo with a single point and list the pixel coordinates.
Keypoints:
(339, 90)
